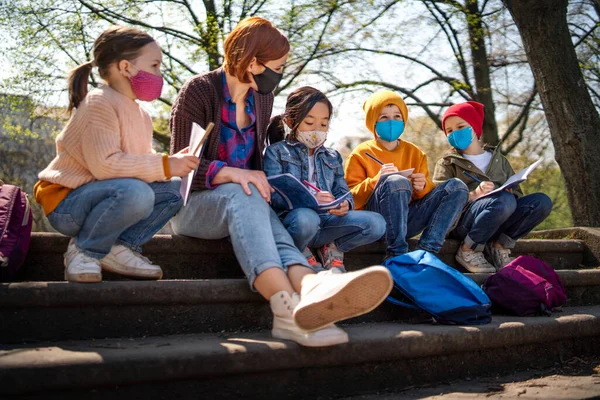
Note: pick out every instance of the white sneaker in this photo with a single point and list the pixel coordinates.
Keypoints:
(329, 297)
(79, 267)
(124, 261)
(284, 326)
(473, 261)
(500, 257)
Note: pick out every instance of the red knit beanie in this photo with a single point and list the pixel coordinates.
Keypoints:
(471, 112)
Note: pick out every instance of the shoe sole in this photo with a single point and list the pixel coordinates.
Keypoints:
(360, 296)
(468, 268)
(154, 275)
(83, 278)
(285, 335)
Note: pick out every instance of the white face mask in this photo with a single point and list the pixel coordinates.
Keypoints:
(312, 139)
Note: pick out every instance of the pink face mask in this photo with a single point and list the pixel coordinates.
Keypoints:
(146, 86)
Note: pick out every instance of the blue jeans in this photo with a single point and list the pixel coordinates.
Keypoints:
(258, 238)
(434, 214)
(354, 229)
(116, 211)
(501, 217)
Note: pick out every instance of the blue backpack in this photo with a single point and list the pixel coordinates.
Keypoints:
(424, 282)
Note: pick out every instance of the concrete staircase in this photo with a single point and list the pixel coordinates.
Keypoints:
(201, 333)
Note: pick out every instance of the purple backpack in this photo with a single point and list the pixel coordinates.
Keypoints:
(526, 286)
(15, 229)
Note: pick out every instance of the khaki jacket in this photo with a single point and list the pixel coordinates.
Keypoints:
(453, 165)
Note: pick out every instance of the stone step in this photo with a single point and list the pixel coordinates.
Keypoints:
(379, 357)
(35, 311)
(189, 258)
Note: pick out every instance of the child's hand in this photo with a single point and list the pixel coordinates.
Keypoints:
(324, 197)
(483, 188)
(181, 163)
(388, 169)
(418, 182)
(343, 210)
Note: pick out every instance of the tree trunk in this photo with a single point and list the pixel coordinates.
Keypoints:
(572, 118)
(481, 70)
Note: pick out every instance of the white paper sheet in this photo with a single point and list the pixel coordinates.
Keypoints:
(196, 139)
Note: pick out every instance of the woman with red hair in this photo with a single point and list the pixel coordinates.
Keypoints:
(230, 192)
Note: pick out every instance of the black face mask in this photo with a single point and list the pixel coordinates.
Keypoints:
(267, 81)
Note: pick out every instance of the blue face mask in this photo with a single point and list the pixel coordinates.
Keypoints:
(389, 130)
(462, 138)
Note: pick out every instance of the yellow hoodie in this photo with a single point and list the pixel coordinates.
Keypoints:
(362, 173)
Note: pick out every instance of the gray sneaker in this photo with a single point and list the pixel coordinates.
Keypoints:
(311, 259)
(500, 257)
(473, 261)
(331, 257)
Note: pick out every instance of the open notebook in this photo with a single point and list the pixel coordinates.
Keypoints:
(514, 180)
(297, 195)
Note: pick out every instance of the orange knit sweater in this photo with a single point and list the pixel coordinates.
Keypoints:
(362, 173)
(108, 136)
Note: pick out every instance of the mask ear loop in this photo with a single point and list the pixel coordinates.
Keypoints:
(286, 128)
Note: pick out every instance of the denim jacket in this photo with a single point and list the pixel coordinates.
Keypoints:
(290, 156)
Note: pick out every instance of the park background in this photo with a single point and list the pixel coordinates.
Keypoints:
(434, 53)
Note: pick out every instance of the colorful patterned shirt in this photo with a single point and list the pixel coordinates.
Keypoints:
(236, 146)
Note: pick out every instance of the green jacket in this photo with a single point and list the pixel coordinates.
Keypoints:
(453, 165)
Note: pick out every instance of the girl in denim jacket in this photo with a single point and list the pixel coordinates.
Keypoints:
(302, 154)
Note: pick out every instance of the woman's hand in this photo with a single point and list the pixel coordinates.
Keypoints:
(418, 182)
(388, 169)
(244, 177)
(324, 197)
(343, 209)
(182, 163)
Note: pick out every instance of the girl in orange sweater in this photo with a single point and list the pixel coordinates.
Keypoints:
(409, 201)
(106, 187)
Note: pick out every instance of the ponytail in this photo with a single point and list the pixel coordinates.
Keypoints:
(78, 84)
(113, 45)
(276, 131)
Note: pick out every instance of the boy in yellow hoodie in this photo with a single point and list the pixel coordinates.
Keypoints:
(410, 204)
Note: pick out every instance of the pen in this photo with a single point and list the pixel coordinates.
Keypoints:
(312, 186)
(373, 158)
(472, 177)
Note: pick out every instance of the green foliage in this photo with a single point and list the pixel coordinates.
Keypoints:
(549, 180)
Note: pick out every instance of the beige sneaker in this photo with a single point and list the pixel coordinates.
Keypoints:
(79, 267)
(328, 297)
(284, 326)
(500, 257)
(124, 261)
(473, 261)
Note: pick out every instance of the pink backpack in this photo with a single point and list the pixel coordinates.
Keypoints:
(526, 286)
(15, 229)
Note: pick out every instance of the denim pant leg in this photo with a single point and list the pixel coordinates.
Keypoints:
(302, 224)
(530, 211)
(435, 213)
(167, 201)
(99, 212)
(390, 199)
(483, 217)
(354, 229)
(258, 238)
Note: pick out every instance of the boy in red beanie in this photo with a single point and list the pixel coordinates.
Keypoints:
(495, 222)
